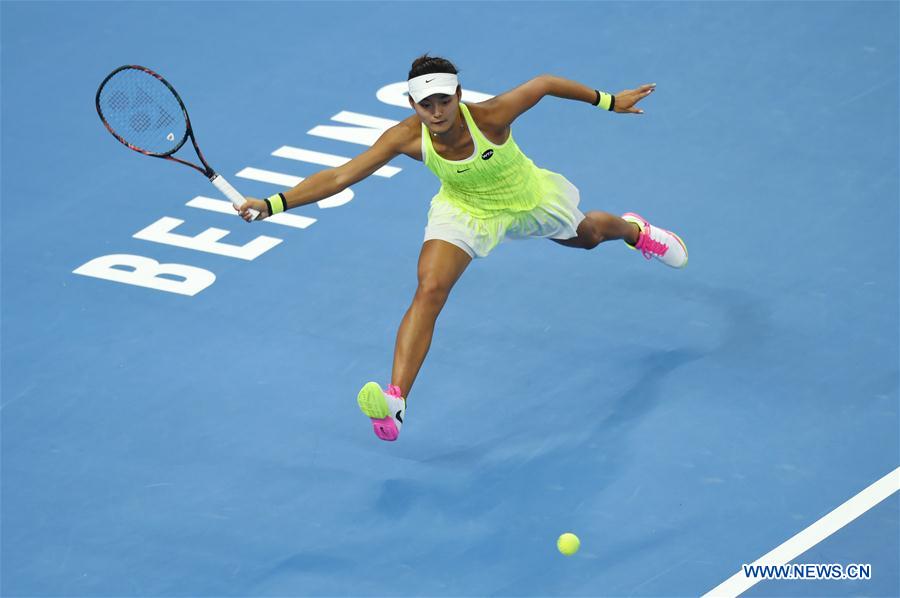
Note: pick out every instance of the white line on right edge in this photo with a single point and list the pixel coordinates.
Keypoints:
(812, 535)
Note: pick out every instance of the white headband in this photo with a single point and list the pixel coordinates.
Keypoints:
(425, 85)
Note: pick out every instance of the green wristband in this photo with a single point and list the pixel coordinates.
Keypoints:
(276, 204)
(606, 101)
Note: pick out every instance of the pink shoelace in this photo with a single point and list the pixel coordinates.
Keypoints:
(648, 246)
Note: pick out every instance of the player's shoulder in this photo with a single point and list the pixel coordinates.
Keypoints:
(410, 126)
(488, 118)
(406, 137)
(404, 131)
(485, 113)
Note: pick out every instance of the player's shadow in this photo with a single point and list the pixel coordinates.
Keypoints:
(535, 474)
(610, 423)
(461, 502)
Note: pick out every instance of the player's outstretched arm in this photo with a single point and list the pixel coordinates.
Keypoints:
(507, 107)
(331, 181)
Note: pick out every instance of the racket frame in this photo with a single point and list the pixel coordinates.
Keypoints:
(206, 170)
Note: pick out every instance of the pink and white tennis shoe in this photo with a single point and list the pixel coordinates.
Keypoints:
(386, 409)
(655, 242)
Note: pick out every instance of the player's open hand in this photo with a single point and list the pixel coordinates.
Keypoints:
(626, 100)
(256, 204)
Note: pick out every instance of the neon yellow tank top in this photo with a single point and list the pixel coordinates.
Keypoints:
(495, 179)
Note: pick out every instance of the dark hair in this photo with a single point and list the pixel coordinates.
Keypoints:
(425, 65)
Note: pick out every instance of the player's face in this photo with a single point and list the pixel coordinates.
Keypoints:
(438, 112)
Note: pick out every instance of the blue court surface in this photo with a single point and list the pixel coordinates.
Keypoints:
(681, 422)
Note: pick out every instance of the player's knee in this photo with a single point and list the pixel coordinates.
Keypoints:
(432, 293)
(592, 241)
(590, 232)
(593, 236)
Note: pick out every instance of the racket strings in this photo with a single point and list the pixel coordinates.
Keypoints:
(143, 111)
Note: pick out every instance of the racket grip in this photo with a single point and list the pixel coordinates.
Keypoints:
(231, 193)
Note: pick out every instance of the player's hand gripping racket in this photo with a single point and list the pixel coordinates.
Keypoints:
(144, 112)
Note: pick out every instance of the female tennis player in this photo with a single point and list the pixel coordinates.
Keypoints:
(490, 192)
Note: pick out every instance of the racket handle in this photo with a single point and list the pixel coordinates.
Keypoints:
(231, 193)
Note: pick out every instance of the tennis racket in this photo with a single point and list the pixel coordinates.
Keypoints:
(145, 113)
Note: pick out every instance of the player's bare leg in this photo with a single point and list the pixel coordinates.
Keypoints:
(440, 266)
(651, 241)
(601, 226)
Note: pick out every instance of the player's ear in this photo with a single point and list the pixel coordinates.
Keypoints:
(412, 103)
(459, 92)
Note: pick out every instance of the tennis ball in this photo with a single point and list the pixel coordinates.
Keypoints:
(568, 543)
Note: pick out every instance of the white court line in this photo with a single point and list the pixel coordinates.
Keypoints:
(305, 155)
(270, 176)
(812, 535)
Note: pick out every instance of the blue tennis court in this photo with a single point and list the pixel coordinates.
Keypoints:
(196, 433)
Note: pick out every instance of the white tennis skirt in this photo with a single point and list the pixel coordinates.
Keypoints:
(556, 217)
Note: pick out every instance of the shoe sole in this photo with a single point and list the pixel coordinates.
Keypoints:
(373, 404)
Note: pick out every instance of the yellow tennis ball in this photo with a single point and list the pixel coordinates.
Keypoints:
(568, 543)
